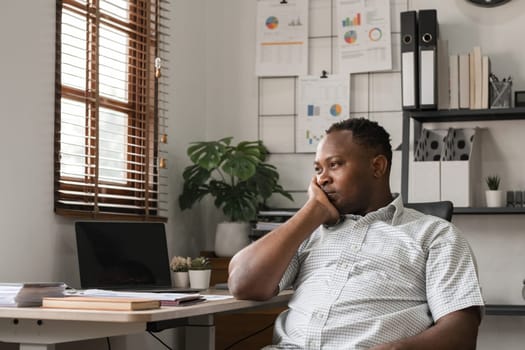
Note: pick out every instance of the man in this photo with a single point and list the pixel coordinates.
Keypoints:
(367, 272)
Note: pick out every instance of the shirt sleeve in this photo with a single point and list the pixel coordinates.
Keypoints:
(290, 273)
(451, 281)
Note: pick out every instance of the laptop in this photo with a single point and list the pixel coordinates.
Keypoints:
(125, 256)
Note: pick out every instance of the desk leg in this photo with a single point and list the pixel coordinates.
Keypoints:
(37, 346)
(200, 333)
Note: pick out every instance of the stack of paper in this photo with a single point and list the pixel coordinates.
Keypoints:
(29, 294)
(166, 299)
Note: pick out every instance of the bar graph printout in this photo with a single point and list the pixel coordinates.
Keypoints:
(364, 40)
(281, 38)
(321, 102)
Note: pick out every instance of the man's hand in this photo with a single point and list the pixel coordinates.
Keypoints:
(316, 194)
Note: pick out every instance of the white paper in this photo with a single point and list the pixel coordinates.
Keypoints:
(282, 38)
(149, 295)
(321, 102)
(364, 39)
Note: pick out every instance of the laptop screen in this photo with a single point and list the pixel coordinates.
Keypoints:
(122, 255)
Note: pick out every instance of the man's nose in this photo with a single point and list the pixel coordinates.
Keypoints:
(323, 179)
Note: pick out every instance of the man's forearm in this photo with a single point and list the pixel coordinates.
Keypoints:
(455, 331)
(255, 272)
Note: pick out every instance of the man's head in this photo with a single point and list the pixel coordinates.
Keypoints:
(352, 164)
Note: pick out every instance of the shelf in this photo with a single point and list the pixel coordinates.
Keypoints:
(502, 210)
(463, 115)
(505, 310)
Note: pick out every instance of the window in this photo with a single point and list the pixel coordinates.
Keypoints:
(110, 124)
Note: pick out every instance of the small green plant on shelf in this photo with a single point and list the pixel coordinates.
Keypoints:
(200, 263)
(493, 182)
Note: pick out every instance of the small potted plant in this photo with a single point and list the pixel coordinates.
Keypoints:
(180, 266)
(493, 195)
(200, 273)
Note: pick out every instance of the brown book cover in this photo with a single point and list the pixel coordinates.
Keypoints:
(101, 303)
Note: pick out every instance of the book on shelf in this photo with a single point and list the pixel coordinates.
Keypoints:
(485, 73)
(464, 81)
(29, 293)
(454, 81)
(101, 303)
(477, 77)
(443, 78)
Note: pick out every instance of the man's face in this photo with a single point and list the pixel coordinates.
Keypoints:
(344, 171)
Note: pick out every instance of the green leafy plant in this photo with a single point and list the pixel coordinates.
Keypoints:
(180, 264)
(200, 263)
(493, 182)
(237, 176)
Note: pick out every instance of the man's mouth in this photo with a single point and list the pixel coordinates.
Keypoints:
(331, 195)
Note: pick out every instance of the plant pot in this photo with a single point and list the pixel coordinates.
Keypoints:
(231, 237)
(181, 279)
(494, 198)
(200, 279)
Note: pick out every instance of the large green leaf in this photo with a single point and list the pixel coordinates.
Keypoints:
(195, 175)
(191, 195)
(208, 154)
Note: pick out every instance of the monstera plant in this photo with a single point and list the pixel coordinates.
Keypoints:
(236, 176)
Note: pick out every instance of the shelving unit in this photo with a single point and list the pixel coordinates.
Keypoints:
(443, 116)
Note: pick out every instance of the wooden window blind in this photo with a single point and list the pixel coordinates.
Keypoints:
(110, 109)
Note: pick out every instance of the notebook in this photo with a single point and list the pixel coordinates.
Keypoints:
(130, 256)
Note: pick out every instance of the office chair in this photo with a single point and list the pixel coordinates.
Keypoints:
(442, 209)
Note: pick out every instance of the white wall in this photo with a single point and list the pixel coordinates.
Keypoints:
(35, 244)
(211, 66)
(498, 241)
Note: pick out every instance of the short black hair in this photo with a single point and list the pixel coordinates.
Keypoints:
(367, 133)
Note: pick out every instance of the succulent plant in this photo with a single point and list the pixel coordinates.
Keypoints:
(200, 263)
(493, 182)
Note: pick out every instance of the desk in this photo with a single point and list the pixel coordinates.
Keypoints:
(41, 329)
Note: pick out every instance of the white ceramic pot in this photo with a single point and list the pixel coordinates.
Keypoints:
(494, 198)
(200, 279)
(231, 237)
(181, 279)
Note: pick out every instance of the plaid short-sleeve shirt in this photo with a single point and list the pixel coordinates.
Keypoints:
(375, 279)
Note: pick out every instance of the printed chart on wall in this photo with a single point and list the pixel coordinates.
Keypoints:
(282, 38)
(364, 39)
(321, 102)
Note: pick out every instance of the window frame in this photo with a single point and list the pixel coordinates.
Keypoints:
(142, 150)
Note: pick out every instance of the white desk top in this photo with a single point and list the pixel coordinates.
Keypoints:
(164, 313)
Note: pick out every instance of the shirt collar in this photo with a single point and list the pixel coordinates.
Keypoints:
(390, 213)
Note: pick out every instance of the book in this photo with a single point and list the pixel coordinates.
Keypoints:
(29, 293)
(454, 81)
(485, 73)
(464, 81)
(443, 78)
(477, 59)
(101, 303)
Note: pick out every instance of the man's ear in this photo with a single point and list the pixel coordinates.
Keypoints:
(379, 166)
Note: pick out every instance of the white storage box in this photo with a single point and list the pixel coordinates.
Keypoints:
(424, 183)
(460, 167)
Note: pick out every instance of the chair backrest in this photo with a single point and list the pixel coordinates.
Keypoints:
(442, 209)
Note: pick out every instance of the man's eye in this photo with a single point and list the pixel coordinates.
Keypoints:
(334, 164)
(317, 170)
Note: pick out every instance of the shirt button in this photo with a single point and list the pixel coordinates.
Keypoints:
(354, 247)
